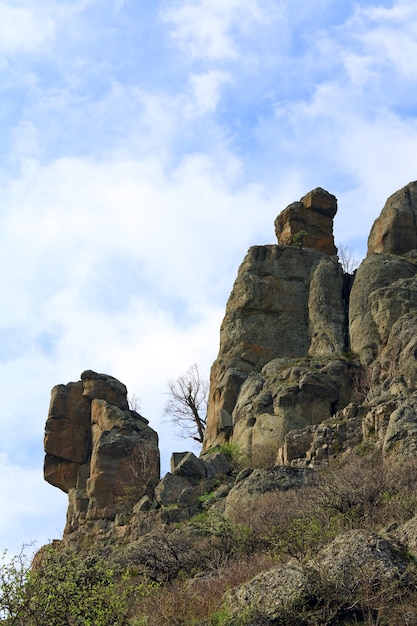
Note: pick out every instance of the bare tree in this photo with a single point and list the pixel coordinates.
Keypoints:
(187, 404)
(347, 260)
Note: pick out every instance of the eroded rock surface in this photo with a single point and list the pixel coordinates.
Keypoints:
(353, 563)
(395, 230)
(313, 214)
(288, 302)
(97, 450)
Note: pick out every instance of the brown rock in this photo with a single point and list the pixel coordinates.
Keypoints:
(124, 461)
(395, 230)
(313, 214)
(60, 473)
(104, 387)
(103, 455)
(67, 430)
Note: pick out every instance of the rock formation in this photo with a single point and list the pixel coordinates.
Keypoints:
(395, 230)
(313, 364)
(299, 343)
(303, 347)
(288, 303)
(102, 454)
(309, 222)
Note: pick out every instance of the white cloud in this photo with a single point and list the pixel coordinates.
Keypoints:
(205, 91)
(24, 30)
(130, 207)
(24, 502)
(207, 28)
(377, 41)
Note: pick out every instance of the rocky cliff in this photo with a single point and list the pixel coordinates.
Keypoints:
(316, 367)
(302, 340)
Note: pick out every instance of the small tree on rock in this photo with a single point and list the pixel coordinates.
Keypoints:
(347, 259)
(187, 404)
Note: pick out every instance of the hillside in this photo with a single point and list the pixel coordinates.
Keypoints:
(301, 508)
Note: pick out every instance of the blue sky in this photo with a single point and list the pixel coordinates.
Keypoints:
(145, 147)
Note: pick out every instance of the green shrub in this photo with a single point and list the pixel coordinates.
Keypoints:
(64, 588)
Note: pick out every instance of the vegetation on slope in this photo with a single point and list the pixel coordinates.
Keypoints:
(122, 586)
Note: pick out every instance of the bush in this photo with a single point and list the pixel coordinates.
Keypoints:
(64, 588)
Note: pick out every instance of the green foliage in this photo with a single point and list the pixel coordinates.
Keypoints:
(65, 589)
(220, 618)
(305, 535)
(233, 453)
(367, 446)
(350, 356)
(206, 497)
(13, 579)
(297, 240)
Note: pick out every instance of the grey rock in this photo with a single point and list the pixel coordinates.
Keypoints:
(169, 488)
(261, 481)
(401, 434)
(327, 309)
(216, 464)
(266, 317)
(285, 397)
(353, 562)
(191, 468)
(395, 230)
(368, 329)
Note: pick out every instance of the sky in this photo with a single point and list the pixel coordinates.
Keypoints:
(145, 146)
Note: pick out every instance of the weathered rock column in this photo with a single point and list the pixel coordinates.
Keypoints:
(102, 454)
(286, 302)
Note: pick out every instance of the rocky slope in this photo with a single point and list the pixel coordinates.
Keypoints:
(315, 365)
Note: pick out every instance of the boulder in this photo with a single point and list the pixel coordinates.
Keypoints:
(260, 481)
(356, 563)
(286, 395)
(271, 595)
(313, 215)
(169, 489)
(191, 468)
(395, 230)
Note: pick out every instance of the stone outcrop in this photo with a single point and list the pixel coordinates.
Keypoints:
(395, 230)
(102, 454)
(345, 570)
(316, 367)
(288, 301)
(287, 396)
(384, 289)
(312, 363)
(301, 339)
(313, 217)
